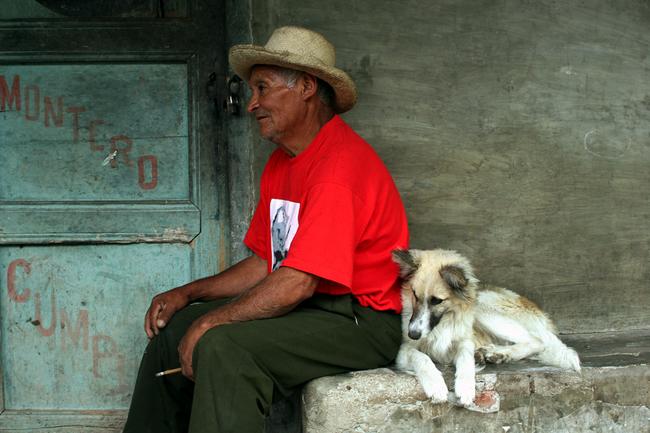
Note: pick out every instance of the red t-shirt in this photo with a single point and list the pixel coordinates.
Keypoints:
(333, 211)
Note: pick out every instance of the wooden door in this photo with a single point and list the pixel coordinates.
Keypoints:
(111, 190)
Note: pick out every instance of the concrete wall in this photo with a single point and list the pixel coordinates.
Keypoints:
(518, 133)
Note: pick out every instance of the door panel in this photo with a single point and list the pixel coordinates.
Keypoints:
(66, 119)
(112, 185)
(72, 320)
(92, 150)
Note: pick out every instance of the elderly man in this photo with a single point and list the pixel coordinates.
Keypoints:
(318, 296)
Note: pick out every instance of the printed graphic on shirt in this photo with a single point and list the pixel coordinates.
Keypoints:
(284, 225)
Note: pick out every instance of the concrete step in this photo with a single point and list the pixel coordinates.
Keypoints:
(612, 394)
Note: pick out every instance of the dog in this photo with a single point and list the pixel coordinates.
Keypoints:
(451, 318)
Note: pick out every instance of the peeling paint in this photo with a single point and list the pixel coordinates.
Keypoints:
(175, 233)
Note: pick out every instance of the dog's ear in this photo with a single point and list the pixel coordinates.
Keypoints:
(455, 278)
(406, 261)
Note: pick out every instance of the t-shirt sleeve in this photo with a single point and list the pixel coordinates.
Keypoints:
(328, 232)
(256, 236)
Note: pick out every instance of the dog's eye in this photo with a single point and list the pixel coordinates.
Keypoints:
(434, 301)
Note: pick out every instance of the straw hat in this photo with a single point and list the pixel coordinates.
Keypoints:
(301, 49)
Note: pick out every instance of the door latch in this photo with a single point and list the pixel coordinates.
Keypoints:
(232, 103)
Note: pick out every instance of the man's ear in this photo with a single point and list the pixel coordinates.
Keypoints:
(455, 278)
(406, 261)
(308, 85)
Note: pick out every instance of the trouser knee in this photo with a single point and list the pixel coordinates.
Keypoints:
(217, 348)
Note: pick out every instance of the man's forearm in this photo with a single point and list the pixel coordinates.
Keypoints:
(229, 283)
(277, 294)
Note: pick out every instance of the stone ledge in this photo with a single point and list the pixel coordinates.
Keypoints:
(612, 394)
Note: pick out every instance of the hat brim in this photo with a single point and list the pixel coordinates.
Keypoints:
(242, 58)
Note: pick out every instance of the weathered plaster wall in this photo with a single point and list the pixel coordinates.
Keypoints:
(241, 141)
(518, 133)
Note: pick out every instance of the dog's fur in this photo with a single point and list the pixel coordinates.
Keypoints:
(448, 317)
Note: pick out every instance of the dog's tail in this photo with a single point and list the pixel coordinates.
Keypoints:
(557, 353)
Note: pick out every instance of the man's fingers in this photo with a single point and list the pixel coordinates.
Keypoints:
(163, 316)
(151, 317)
(188, 372)
(155, 320)
(185, 358)
(161, 310)
(147, 326)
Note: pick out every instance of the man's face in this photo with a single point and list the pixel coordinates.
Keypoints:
(276, 107)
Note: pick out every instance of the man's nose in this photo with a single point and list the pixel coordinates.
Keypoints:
(253, 104)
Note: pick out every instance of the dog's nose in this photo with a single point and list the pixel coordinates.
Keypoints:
(415, 335)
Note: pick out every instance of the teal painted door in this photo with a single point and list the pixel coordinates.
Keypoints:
(110, 191)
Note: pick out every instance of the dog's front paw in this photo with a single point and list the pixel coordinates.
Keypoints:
(438, 393)
(434, 387)
(465, 389)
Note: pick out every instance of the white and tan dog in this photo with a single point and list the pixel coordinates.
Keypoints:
(449, 318)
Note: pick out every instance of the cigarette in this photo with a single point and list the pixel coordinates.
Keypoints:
(166, 372)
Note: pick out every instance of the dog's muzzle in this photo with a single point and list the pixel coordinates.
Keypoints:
(415, 331)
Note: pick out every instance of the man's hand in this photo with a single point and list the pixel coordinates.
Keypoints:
(162, 308)
(187, 344)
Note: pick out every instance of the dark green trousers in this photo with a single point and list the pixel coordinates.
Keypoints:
(239, 369)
